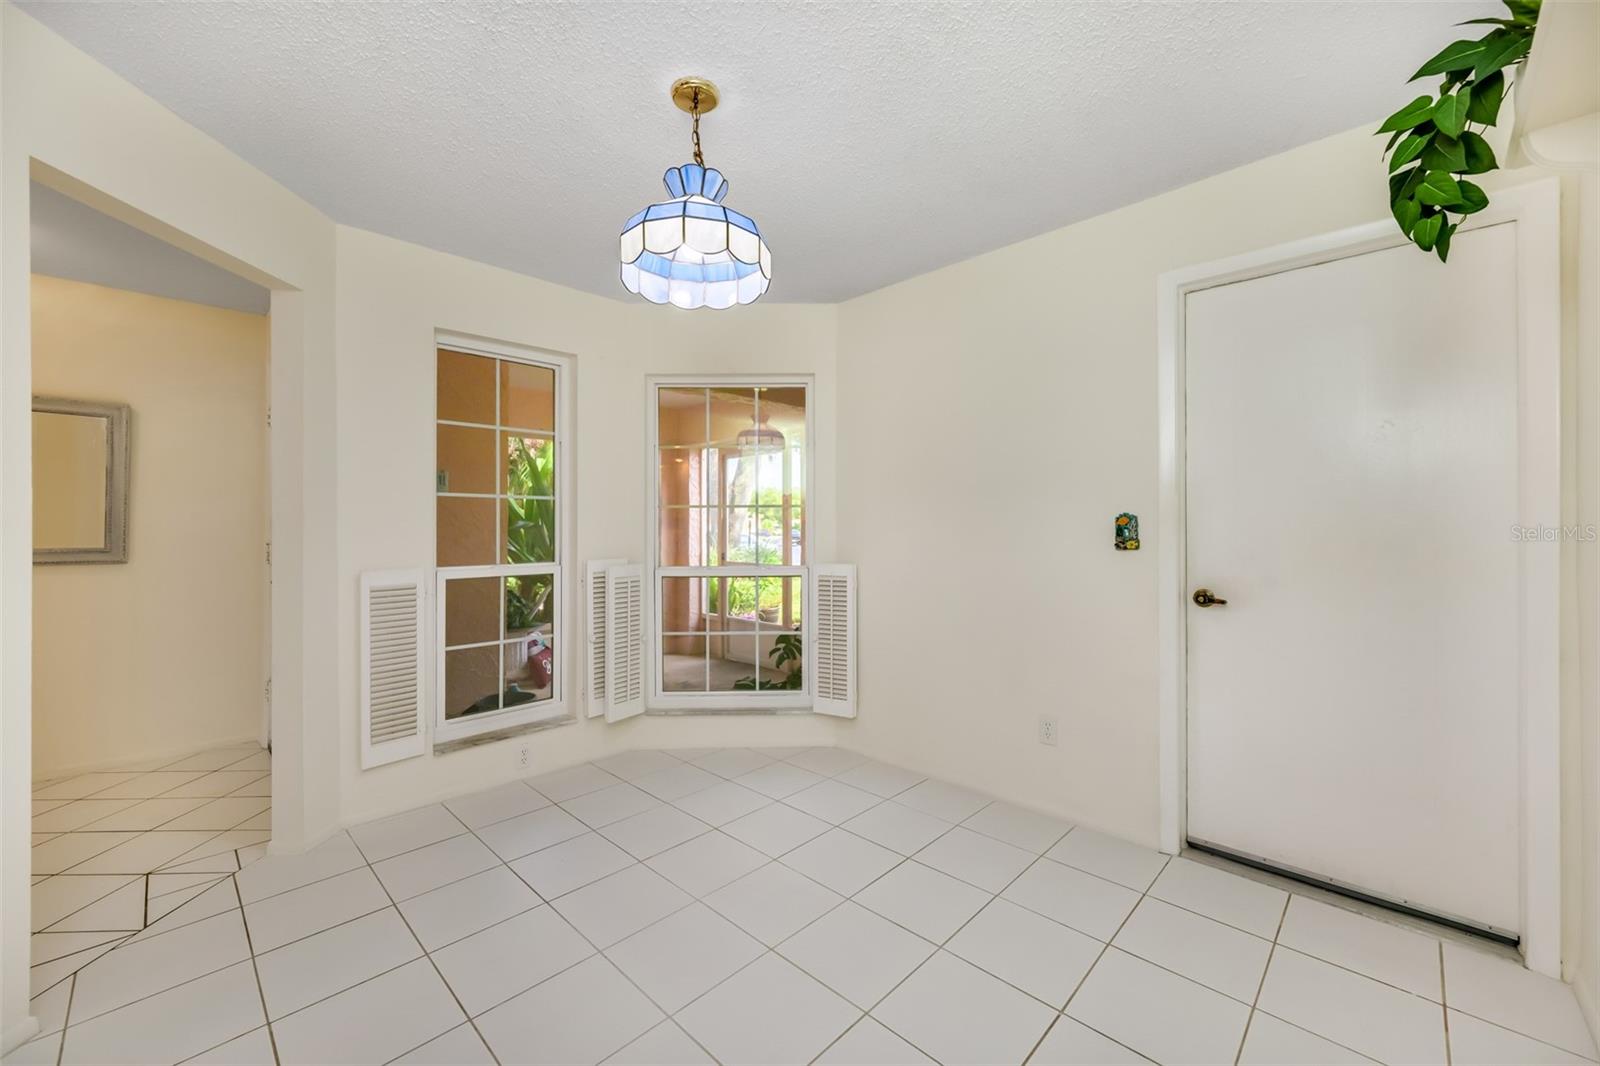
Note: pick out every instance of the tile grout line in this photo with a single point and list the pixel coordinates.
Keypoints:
(1262, 983)
(66, 1018)
(261, 993)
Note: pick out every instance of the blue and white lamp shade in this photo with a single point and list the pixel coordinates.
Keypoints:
(691, 251)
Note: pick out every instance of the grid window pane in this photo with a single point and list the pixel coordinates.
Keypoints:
(466, 459)
(782, 661)
(530, 531)
(529, 463)
(465, 387)
(684, 604)
(471, 611)
(683, 664)
(689, 536)
(683, 477)
(529, 602)
(527, 396)
(466, 531)
(732, 663)
(681, 416)
(530, 666)
(471, 681)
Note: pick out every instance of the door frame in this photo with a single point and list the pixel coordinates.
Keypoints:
(1535, 208)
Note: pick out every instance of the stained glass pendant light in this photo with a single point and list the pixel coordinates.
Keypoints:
(690, 251)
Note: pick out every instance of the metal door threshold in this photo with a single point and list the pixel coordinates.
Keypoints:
(1328, 884)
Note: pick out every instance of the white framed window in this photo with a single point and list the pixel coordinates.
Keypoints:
(728, 564)
(502, 472)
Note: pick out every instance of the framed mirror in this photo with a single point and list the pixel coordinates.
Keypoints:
(80, 481)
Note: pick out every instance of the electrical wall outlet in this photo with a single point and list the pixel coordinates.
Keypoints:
(522, 757)
(1047, 731)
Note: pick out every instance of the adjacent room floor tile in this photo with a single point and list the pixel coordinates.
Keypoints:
(571, 864)
(1115, 860)
(63, 816)
(227, 812)
(843, 861)
(299, 974)
(1201, 949)
(67, 851)
(620, 904)
(219, 783)
(172, 1025)
(147, 785)
(929, 903)
(139, 969)
(1378, 1020)
(1238, 901)
(1043, 958)
(121, 909)
(683, 955)
(898, 828)
(1393, 955)
(772, 903)
(373, 1022)
(769, 1012)
(1157, 1013)
(491, 966)
(706, 863)
(82, 786)
(1500, 991)
(447, 914)
(956, 1013)
(582, 1015)
(857, 953)
(1087, 903)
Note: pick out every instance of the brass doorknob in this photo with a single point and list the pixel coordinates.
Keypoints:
(1204, 598)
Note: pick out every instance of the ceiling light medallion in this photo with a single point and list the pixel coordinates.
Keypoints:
(690, 251)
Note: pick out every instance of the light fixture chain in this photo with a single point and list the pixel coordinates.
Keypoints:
(699, 159)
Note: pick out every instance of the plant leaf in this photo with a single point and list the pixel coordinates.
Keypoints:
(1439, 189)
(1473, 199)
(1407, 213)
(1418, 110)
(1501, 49)
(1451, 113)
(1426, 231)
(1458, 55)
(1486, 97)
(1445, 153)
(1409, 149)
(1508, 23)
(1441, 244)
(1479, 156)
(1404, 184)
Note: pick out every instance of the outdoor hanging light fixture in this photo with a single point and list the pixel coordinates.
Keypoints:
(690, 251)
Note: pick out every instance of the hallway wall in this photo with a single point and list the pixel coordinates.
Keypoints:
(161, 654)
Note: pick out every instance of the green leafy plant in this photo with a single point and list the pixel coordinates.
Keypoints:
(787, 655)
(530, 531)
(1432, 144)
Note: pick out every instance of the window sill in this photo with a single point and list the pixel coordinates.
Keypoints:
(445, 747)
(724, 712)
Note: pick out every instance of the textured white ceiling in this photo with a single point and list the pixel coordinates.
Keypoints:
(871, 141)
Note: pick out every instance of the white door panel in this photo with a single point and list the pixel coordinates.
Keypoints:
(1351, 490)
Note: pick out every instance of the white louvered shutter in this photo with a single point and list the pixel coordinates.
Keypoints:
(624, 642)
(594, 649)
(392, 728)
(832, 654)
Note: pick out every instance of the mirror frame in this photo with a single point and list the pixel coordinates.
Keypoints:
(118, 418)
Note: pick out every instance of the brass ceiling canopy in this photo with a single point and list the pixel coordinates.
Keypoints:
(694, 94)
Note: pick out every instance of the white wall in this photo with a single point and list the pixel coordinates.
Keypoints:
(72, 124)
(990, 591)
(162, 654)
(392, 297)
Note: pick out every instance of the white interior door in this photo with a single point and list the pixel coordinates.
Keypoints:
(1352, 454)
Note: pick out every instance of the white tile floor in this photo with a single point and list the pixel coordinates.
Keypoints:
(746, 906)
